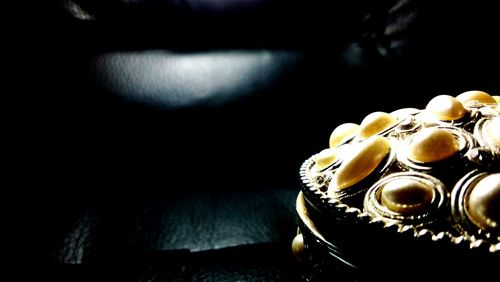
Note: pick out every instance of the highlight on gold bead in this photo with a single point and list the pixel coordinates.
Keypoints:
(445, 107)
(432, 144)
(325, 158)
(493, 130)
(406, 196)
(362, 162)
(375, 123)
(404, 113)
(298, 247)
(483, 203)
(342, 133)
(476, 95)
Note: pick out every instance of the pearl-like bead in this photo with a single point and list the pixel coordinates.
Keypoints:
(494, 130)
(342, 133)
(496, 98)
(406, 196)
(445, 107)
(475, 95)
(362, 162)
(375, 123)
(325, 158)
(431, 144)
(404, 113)
(483, 205)
(298, 247)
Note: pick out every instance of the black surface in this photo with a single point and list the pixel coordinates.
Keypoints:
(172, 125)
(254, 262)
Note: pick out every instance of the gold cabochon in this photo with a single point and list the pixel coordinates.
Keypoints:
(364, 159)
(343, 133)
(483, 203)
(375, 123)
(432, 144)
(406, 195)
(445, 107)
(476, 95)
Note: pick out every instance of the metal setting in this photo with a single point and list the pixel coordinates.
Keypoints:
(430, 214)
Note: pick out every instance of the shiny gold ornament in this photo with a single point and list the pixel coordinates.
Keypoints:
(404, 113)
(432, 144)
(298, 248)
(375, 123)
(396, 172)
(483, 203)
(325, 158)
(406, 195)
(475, 207)
(493, 129)
(364, 160)
(475, 95)
(487, 134)
(407, 198)
(342, 134)
(446, 108)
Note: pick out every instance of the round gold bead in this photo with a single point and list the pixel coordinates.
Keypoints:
(483, 204)
(406, 196)
(375, 123)
(363, 161)
(475, 95)
(325, 158)
(298, 247)
(493, 130)
(403, 113)
(432, 144)
(445, 107)
(342, 133)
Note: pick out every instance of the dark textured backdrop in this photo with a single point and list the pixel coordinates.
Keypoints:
(161, 140)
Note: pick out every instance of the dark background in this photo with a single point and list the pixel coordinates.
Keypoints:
(161, 140)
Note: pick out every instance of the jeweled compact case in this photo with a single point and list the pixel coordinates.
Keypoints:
(412, 194)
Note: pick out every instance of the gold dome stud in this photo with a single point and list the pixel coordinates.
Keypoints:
(363, 161)
(483, 204)
(325, 158)
(298, 247)
(475, 95)
(375, 123)
(406, 196)
(494, 130)
(403, 113)
(445, 107)
(432, 144)
(342, 133)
